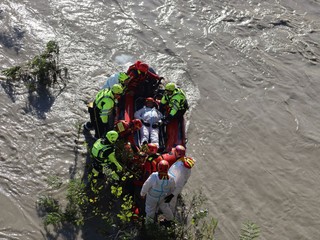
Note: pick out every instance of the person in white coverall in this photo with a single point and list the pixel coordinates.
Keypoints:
(180, 171)
(117, 78)
(156, 188)
(150, 117)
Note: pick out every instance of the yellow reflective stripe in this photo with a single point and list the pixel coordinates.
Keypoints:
(105, 112)
(189, 161)
(175, 104)
(120, 127)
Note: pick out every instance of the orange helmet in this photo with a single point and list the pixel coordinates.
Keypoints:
(137, 123)
(163, 166)
(188, 162)
(152, 148)
(180, 150)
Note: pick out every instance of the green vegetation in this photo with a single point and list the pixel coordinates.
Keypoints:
(107, 203)
(54, 181)
(42, 71)
(249, 231)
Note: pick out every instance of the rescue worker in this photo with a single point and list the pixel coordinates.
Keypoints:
(180, 171)
(118, 78)
(143, 80)
(125, 128)
(158, 185)
(147, 162)
(102, 110)
(103, 153)
(126, 131)
(150, 117)
(151, 161)
(175, 153)
(174, 99)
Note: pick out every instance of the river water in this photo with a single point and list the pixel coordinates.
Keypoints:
(250, 70)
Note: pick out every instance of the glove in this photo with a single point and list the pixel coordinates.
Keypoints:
(145, 123)
(161, 107)
(166, 119)
(168, 198)
(158, 124)
(165, 122)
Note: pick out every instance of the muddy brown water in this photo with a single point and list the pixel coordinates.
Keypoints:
(251, 73)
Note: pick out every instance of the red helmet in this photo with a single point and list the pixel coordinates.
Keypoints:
(188, 162)
(163, 166)
(143, 67)
(137, 123)
(149, 99)
(152, 148)
(180, 150)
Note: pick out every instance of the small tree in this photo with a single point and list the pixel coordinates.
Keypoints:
(42, 71)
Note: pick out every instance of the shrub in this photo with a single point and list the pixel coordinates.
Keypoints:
(42, 71)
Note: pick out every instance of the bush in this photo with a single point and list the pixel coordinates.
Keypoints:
(113, 210)
(42, 71)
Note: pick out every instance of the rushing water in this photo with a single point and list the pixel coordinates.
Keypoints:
(250, 70)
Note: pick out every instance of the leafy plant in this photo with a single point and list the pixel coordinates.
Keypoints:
(249, 231)
(48, 204)
(51, 211)
(53, 218)
(126, 213)
(193, 222)
(77, 202)
(54, 181)
(42, 71)
(12, 73)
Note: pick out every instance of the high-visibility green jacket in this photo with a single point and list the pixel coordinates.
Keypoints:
(105, 153)
(105, 103)
(177, 101)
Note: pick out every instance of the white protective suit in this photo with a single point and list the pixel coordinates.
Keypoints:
(149, 116)
(156, 190)
(180, 174)
(112, 80)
